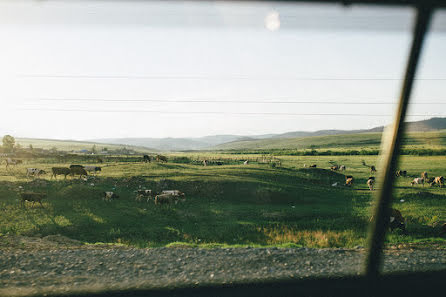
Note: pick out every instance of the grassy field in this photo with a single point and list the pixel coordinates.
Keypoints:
(68, 145)
(430, 140)
(229, 205)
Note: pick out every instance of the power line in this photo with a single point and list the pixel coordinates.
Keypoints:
(173, 77)
(218, 112)
(349, 102)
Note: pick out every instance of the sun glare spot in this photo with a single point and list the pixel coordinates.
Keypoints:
(272, 21)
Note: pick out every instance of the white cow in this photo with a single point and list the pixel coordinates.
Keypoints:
(417, 181)
(109, 196)
(34, 172)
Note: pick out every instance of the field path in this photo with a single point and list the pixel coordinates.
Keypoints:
(26, 271)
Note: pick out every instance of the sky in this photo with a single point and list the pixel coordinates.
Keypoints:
(108, 69)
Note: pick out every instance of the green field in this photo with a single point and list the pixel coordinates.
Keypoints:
(430, 140)
(69, 145)
(229, 205)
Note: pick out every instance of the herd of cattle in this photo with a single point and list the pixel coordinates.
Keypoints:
(424, 178)
(397, 221)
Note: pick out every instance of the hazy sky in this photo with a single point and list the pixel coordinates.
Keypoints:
(82, 70)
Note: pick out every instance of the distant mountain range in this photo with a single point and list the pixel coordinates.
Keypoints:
(218, 141)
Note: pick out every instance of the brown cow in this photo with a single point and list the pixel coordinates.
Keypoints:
(397, 220)
(439, 180)
(371, 182)
(31, 196)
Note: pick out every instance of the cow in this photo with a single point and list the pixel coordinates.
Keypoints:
(372, 167)
(313, 166)
(146, 159)
(78, 170)
(60, 171)
(93, 169)
(246, 162)
(439, 180)
(402, 173)
(417, 181)
(424, 175)
(205, 163)
(342, 167)
(161, 158)
(173, 192)
(334, 167)
(140, 194)
(348, 180)
(371, 182)
(34, 172)
(396, 221)
(31, 196)
(12, 162)
(167, 199)
(109, 196)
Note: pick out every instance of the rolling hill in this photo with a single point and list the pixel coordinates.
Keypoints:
(69, 145)
(294, 140)
(370, 140)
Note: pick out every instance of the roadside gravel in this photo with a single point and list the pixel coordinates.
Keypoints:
(27, 271)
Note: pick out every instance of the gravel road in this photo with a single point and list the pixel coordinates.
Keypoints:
(25, 271)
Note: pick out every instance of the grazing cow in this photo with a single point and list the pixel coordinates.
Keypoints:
(372, 168)
(396, 221)
(439, 180)
(167, 199)
(205, 162)
(342, 167)
(424, 175)
(417, 181)
(146, 159)
(78, 170)
(161, 158)
(93, 169)
(12, 162)
(402, 173)
(34, 172)
(140, 194)
(31, 196)
(334, 167)
(109, 196)
(348, 180)
(60, 170)
(173, 192)
(371, 182)
(313, 166)
(246, 162)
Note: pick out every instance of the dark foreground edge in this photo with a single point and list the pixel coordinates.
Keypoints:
(396, 284)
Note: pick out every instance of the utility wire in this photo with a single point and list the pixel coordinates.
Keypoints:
(218, 112)
(168, 77)
(350, 102)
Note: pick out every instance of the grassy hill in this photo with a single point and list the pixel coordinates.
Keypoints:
(372, 140)
(68, 145)
(226, 141)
